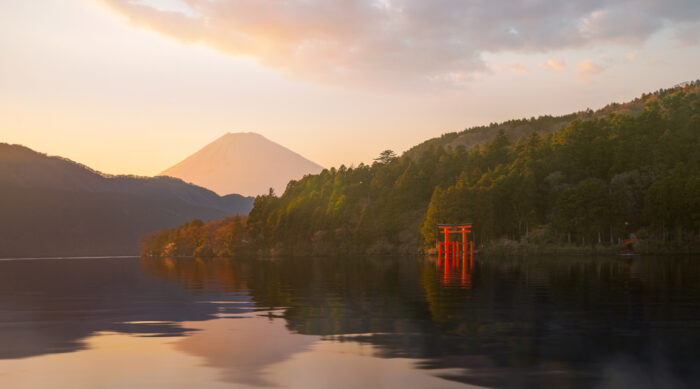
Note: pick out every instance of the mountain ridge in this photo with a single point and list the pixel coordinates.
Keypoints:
(516, 129)
(53, 206)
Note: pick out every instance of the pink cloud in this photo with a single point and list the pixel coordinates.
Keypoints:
(554, 64)
(399, 41)
(588, 68)
(513, 68)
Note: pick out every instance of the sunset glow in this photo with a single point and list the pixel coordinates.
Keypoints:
(136, 86)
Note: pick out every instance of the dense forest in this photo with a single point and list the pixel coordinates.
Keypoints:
(591, 182)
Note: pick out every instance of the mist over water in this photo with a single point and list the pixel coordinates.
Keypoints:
(568, 322)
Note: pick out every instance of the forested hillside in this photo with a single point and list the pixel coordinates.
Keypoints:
(51, 206)
(593, 181)
(522, 128)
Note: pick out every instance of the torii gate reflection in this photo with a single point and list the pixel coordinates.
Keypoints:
(451, 252)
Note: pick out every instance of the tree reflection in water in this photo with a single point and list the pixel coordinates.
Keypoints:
(569, 322)
(557, 322)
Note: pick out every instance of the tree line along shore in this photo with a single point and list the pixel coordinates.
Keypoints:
(583, 182)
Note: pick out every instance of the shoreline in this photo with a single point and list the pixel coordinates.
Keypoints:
(70, 257)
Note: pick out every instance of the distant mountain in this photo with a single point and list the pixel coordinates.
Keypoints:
(245, 163)
(51, 206)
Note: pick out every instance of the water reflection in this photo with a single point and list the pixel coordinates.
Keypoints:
(569, 322)
(360, 322)
(51, 306)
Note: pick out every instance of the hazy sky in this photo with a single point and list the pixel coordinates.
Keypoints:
(134, 86)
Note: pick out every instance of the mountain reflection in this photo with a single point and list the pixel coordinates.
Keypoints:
(244, 349)
(50, 306)
(558, 322)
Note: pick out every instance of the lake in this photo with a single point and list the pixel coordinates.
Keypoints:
(565, 322)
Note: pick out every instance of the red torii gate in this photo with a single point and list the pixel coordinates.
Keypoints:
(452, 247)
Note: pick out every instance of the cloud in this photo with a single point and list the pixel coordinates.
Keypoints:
(513, 68)
(688, 34)
(385, 41)
(554, 64)
(587, 68)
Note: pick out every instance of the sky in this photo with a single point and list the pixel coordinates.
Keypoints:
(135, 86)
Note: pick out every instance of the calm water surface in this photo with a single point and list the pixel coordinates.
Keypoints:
(570, 322)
